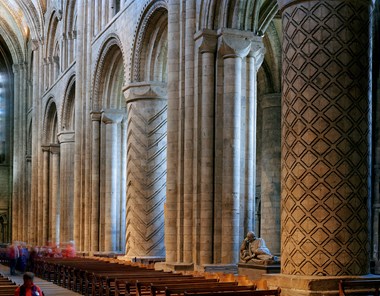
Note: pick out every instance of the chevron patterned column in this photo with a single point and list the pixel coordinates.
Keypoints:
(146, 162)
(325, 130)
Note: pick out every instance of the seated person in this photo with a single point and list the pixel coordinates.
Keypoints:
(253, 249)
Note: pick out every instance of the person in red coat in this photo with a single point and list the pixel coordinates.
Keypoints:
(28, 288)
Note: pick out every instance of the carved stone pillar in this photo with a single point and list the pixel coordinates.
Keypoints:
(95, 180)
(147, 119)
(233, 47)
(67, 148)
(111, 119)
(271, 171)
(54, 196)
(325, 139)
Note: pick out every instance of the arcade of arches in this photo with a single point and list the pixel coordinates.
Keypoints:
(169, 128)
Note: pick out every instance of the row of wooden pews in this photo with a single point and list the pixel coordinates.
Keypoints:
(104, 276)
(7, 287)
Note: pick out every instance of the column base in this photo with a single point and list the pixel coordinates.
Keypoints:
(292, 285)
(256, 271)
(174, 266)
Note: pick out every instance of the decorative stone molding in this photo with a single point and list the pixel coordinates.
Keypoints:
(145, 90)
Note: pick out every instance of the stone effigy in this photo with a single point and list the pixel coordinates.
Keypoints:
(254, 250)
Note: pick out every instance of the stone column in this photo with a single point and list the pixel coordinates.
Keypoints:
(271, 171)
(146, 179)
(325, 137)
(207, 40)
(95, 180)
(67, 148)
(173, 162)
(54, 196)
(44, 205)
(112, 119)
(232, 48)
(254, 60)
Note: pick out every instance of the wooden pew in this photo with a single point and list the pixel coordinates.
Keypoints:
(359, 287)
(144, 286)
(190, 289)
(160, 289)
(275, 292)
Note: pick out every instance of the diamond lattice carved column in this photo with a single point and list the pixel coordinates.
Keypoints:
(325, 137)
(146, 179)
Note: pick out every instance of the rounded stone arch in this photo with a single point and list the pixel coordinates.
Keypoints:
(149, 53)
(51, 31)
(12, 42)
(70, 15)
(108, 64)
(248, 15)
(68, 110)
(50, 123)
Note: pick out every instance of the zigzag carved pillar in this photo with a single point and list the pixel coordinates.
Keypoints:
(325, 138)
(146, 161)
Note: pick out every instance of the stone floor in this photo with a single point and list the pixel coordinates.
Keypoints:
(47, 287)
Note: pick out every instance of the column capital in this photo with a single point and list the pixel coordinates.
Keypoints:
(207, 40)
(110, 116)
(45, 148)
(35, 44)
(235, 43)
(145, 90)
(96, 115)
(257, 52)
(271, 100)
(54, 148)
(66, 137)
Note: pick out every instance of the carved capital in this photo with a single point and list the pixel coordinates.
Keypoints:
(96, 115)
(110, 116)
(145, 90)
(34, 44)
(206, 40)
(257, 52)
(45, 148)
(271, 100)
(54, 148)
(235, 43)
(66, 137)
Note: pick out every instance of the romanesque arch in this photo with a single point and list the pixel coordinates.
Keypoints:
(109, 150)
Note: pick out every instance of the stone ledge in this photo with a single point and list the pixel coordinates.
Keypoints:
(174, 266)
(256, 271)
(292, 285)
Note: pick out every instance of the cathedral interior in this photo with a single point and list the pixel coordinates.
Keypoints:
(171, 128)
